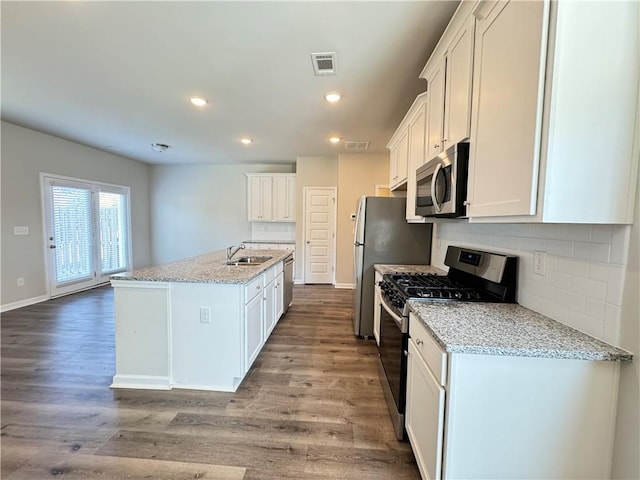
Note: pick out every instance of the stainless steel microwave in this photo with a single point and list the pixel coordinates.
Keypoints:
(441, 183)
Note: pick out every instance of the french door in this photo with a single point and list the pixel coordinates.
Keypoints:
(87, 233)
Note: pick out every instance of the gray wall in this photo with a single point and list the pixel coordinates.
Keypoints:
(25, 154)
(201, 208)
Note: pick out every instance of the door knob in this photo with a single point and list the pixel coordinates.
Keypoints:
(52, 246)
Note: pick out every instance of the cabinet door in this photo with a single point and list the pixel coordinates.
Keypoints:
(254, 334)
(417, 137)
(459, 70)
(510, 49)
(284, 198)
(278, 296)
(424, 415)
(393, 165)
(269, 309)
(435, 88)
(259, 198)
(398, 160)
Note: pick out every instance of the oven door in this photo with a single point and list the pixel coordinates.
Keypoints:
(394, 338)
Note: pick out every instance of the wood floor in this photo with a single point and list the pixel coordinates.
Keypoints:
(310, 408)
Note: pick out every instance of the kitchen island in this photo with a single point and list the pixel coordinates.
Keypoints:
(196, 323)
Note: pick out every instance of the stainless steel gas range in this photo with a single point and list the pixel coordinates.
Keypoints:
(474, 276)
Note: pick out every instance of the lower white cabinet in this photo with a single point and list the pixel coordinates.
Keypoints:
(506, 417)
(269, 308)
(278, 295)
(254, 333)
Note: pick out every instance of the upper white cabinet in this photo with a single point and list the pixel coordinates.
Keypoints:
(398, 151)
(449, 74)
(555, 108)
(417, 133)
(271, 197)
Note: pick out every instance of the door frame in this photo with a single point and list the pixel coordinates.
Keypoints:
(100, 280)
(334, 192)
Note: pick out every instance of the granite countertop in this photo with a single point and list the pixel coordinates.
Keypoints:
(283, 242)
(207, 268)
(385, 269)
(508, 329)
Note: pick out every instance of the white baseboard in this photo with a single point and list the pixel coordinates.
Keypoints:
(23, 303)
(348, 286)
(298, 281)
(142, 382)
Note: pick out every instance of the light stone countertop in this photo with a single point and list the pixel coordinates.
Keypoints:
(277, 242)
(385, 269)
(207, 268)
(508, 329)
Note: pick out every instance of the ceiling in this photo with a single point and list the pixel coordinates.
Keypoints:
(117, 75)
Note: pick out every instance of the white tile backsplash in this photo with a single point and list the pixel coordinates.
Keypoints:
(273, 231)
(584, 275)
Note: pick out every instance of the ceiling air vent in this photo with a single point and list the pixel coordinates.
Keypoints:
(355, 145)
(324, 63)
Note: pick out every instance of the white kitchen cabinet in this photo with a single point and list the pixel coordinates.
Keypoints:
(398, 158)
(505, 417)
(260, 198)
(284, 198)
(417, 152)
(271, 197)
(555, 109)
(269, 308)
(449, 74)
(254, 315)
(278, 295)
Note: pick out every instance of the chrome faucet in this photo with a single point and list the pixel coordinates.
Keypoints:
(231, 251)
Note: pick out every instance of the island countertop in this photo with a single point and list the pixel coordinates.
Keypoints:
(508, 329)
(207, 268)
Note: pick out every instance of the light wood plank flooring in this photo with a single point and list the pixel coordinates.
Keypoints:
(310, 408)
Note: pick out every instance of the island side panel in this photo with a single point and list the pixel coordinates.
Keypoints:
(207, 346)
(141, 337)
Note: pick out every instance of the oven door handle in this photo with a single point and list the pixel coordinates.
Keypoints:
(401, 322)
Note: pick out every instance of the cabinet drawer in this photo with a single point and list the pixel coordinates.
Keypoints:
(269, 275)
(429, 350)
(253, 288)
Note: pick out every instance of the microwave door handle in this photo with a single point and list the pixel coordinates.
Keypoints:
(434, 197)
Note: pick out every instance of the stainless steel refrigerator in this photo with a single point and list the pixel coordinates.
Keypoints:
(383, 236)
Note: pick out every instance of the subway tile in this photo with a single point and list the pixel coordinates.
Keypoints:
(595, 308)
(555, 311)
(587, 324)
(581, 233)
(612, 325)
(573, 266)
(529, 244)
(573, 301)
(615, 285)
(620, 244)
(562, 248)
(541, 289)
(599, 271)
(596, 252)
(601, 233)
(558, 279)
(589, 288)
(546, 231)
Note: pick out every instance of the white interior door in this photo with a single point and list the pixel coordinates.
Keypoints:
(87, 233)
(319, 232)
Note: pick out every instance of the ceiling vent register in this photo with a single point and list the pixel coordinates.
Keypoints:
(355, 145)
(324, 63)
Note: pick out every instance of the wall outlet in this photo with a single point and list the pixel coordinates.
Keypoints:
(20, 282)
(539, 263)
(205, 315)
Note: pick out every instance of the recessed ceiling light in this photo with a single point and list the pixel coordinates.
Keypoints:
(335, 139)
(332, 97)
(198, 101)
(246, 140)
(160, 147)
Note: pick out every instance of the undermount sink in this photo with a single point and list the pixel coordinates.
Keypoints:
(250, 260)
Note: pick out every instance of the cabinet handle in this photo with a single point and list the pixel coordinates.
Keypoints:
(257, 287)
(419, 342)
(436, 146)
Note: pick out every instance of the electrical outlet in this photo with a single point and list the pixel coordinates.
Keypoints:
(205, 315)
(20, 282)
(539, 263)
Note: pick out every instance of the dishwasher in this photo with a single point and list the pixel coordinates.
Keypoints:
(288, 282)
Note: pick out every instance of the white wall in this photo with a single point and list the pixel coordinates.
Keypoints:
(26, 153)
(201, 208)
